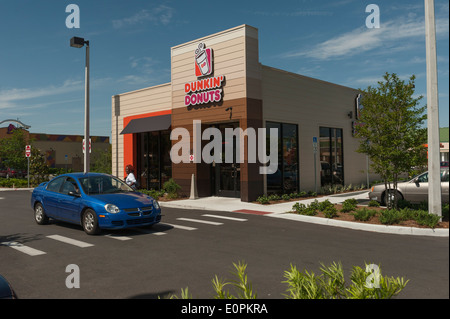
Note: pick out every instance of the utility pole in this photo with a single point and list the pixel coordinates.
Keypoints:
(434, 171)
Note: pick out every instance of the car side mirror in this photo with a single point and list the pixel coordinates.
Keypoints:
(74, 194)
(416, 180)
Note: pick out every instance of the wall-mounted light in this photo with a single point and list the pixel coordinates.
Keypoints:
(350, 115)
(231, 111)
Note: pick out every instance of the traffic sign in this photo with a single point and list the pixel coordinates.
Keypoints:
(28, 151)
(89, 146)
(315, 144)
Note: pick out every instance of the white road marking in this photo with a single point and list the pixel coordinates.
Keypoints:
(24, 249)
(70, 241)
(226, 217)
(118, 237)
(181, 227)
(148, 231)
(200, 221)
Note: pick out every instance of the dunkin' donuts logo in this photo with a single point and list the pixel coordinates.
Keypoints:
(203, 61)
(207, 89)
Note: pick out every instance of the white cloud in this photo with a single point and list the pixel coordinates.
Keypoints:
(159, 15)
(9, 96)
(362, 40)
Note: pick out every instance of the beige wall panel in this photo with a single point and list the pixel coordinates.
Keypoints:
(313, 104)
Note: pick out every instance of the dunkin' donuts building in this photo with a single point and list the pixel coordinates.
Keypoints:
(218, 82)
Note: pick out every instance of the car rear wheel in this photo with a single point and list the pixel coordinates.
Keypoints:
(90, 222)
(39, 214)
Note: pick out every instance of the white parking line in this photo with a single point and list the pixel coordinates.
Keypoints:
(181, 227)
(70, 241)
(226, 217)
(148, 231)
(118, 237)
(200, 221)
(24, 249)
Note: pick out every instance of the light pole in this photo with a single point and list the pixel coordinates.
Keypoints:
(77, 42)
(434, 177)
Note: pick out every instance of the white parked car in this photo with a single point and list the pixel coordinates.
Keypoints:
(414, 191)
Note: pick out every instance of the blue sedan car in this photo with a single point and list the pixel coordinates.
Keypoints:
(95, 201)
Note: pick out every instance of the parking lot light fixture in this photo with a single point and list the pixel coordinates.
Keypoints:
(77, 42)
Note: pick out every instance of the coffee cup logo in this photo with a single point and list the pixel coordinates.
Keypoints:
(203, 60)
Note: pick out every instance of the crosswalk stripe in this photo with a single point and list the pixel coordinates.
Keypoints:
(70, 241)
(200, 221)
(181, 227)
(148, 231)
(24, 249)
(118, 237)
(226, 217)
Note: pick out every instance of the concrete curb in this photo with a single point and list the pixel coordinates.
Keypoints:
(398, 230)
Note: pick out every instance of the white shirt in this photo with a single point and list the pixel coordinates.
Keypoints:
(130, 179)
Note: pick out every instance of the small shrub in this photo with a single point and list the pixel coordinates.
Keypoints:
(330, 212)
(312, 194)
(426, 219)
(374, 203)
(315, 204)
(153, 193)
(331, 284)
(302, 209)
(364, 214)
(390, 216)
(274, 197)
(172, 188)
(324, 205)
(349, 205)
(285, 197)
(303, 194)
(445, 208)
(263, 199)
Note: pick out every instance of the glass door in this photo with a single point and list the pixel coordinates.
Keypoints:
(227, 176)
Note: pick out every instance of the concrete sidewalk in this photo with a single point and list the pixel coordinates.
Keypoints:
(282, 210)
(234, 204)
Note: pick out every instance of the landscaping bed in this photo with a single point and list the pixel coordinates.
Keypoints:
(350, 211)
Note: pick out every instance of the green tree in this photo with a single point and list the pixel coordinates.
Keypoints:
(12, 150)
(38, 167)
(102, 161)
(391, 130)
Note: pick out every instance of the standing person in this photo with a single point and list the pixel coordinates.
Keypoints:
(131, 179)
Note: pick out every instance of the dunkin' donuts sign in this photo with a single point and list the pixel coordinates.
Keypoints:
(204, 90)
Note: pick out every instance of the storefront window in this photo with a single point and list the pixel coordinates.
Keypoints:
(154, 166)
(285, 179)
(331, 156)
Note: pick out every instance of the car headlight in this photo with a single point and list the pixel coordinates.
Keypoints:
(155, 204)
(110, 208)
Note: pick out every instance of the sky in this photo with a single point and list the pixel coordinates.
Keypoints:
(42, 77)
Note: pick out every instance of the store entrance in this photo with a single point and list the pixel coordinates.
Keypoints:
(226, 181)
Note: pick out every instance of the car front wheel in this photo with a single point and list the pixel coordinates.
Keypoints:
(389, 197)
(39, 214)
(90, 222)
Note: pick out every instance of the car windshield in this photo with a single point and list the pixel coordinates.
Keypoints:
(102, 184)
